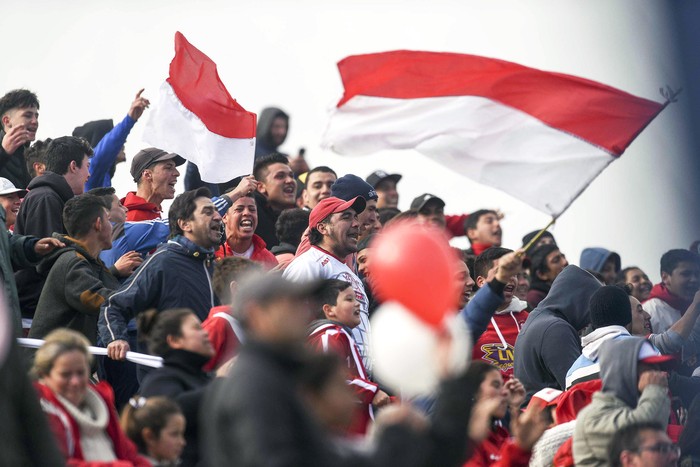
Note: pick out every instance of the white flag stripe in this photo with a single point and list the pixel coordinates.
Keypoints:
(174, 128)
(482, 139)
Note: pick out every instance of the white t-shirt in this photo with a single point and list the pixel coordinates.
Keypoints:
(318, 264)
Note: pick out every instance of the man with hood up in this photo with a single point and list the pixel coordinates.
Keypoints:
(634, 391)
(604, 262)
(548, 343)
(271, 132)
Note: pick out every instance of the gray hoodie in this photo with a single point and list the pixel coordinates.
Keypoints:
(548, 343)
(618, 404)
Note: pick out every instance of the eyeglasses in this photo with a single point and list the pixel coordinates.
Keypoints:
(663, 448)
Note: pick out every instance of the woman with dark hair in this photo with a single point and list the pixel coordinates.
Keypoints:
(178, 337)
(492, 401)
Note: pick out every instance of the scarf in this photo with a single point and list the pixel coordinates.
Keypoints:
(661, 292)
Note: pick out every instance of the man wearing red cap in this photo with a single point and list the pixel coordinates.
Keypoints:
(333, 233)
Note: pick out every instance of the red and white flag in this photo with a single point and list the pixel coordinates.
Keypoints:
(539, 136)
(197, 118)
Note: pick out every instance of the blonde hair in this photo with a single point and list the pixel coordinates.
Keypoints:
(57, 343)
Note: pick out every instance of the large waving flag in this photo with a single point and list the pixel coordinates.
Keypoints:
(539, 136)
(197, 118)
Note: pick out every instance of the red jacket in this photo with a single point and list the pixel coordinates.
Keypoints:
(139, 209)
(496, 345)
(67, 431)
(499, 450)
(260, 252)
(330, 336)
(222, 335)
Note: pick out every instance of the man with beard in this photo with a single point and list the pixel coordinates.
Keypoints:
(240, 223)
(334, 230)
(19, 114)
(177, 275)
(276, 191)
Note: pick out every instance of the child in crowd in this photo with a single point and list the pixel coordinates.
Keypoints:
(332, 332)
(157, 427)
(225, 333)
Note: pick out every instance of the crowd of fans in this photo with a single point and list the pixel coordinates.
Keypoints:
(258, 293)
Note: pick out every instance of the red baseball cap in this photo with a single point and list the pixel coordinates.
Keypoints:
(648, 354)
(333, 205)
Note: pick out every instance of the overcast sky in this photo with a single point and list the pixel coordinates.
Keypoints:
(86, 60)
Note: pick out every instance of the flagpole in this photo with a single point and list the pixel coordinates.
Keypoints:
(538, 235)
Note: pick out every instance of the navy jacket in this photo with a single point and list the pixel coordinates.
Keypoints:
(177, 275)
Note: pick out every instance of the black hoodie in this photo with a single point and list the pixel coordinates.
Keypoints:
(548, 343)
(41, 214)
(264, 144)
(13, 166)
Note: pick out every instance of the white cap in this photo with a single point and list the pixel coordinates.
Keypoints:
(7, 188)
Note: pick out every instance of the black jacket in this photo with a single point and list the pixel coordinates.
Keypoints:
(255, 417)
(181, 379)
(13, 166)
(41, 214)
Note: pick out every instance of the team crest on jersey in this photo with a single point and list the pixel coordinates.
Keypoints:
(325, 261)
(496, 355)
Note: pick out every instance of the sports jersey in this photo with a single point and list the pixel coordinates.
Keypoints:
(225, 335)
(317, 263)
(495, 346)
(331, 336)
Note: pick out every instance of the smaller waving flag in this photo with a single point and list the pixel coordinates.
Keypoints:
(197, 118)
(539, 136)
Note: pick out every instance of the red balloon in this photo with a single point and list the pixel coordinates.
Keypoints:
(414, 265)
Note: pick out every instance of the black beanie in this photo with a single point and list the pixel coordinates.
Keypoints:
(531, 235)
(610, 305)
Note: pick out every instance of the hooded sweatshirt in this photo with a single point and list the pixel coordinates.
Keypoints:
(549, 343)
(594, 259)
(618, 404)
(264, 144)
(13, 166)
(76, 286)
(40, 215)
(586, 366)
(495, 345)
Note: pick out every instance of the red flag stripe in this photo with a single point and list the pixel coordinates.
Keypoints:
(599, 114)
(196, 83)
